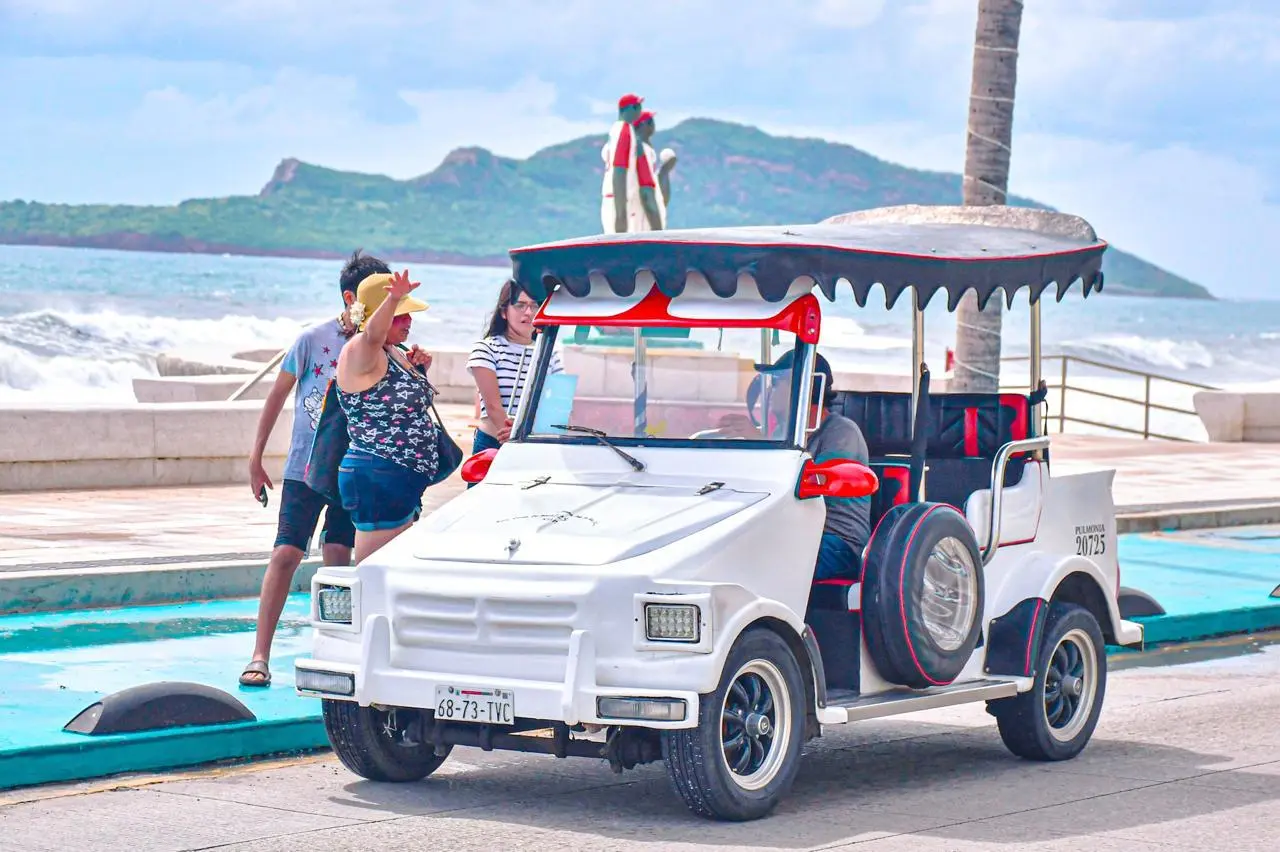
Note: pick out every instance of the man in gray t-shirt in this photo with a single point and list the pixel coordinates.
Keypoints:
(848, 523)
(306, 370)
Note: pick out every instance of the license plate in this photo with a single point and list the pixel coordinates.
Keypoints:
(472, 704)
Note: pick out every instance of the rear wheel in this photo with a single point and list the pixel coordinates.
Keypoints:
(922, 595)
(744, 755)
(1056, 717)
(375, 744)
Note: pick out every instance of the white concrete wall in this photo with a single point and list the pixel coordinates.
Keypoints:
(67, 446)
(1234, 416)
(216, 388)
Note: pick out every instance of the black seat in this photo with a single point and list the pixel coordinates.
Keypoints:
(963, 433)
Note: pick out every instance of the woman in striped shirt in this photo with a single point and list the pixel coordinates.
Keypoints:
(501, 364)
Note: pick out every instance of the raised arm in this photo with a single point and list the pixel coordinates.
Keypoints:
(362, 354)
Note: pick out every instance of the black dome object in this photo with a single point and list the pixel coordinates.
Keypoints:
(156, 706)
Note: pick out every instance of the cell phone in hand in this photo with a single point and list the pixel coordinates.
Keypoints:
(262, 496)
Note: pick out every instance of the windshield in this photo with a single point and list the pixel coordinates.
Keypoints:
(693, 385)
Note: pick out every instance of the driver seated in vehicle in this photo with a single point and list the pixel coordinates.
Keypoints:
(848, 524)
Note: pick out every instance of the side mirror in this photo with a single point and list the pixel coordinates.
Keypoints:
(836, 478)
(476, 468)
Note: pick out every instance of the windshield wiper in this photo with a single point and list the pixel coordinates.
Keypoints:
(603, 437)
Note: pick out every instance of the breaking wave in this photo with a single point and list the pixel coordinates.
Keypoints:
(54, 355)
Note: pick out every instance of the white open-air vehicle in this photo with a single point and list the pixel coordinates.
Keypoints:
(614, 590)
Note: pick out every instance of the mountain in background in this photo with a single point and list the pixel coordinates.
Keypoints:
(476, 205)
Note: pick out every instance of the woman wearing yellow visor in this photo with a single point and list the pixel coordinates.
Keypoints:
(386, 399)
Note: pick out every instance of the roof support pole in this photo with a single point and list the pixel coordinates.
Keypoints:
(917, 364)
(1034, 358)
(641, 379)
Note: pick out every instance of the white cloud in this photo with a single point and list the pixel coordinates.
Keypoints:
(515, 122)
(316, 118)
(847, 14)
(1200, 215)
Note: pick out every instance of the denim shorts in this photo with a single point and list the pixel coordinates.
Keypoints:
(300, 509)
(379, 494)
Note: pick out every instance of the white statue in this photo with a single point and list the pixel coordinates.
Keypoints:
(629, 193)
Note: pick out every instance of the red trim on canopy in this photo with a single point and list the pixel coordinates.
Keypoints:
(803, 317)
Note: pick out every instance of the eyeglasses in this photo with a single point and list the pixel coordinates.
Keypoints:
(524, 307)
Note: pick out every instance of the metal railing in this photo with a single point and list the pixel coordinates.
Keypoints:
(257, 377)
(1061, 384)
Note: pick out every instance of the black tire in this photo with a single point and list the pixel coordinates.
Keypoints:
(917, 639)
(730, 726)
(1056, 717)
(362, 741)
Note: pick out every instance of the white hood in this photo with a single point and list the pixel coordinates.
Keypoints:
(570, 524)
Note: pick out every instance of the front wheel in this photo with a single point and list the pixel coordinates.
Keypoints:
(375, 744)
(744, 755)
(1056, 717)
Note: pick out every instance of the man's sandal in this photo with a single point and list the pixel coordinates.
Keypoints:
(257, 673)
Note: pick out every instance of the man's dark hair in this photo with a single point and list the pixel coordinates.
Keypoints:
(358, 268)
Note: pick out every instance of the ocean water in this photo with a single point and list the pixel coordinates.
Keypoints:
(80, 324)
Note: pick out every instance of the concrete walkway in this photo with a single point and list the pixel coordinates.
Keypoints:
(79, 529)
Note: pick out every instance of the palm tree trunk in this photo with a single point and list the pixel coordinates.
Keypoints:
(986, 178)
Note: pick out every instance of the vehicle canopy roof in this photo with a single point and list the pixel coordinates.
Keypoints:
(924, 248)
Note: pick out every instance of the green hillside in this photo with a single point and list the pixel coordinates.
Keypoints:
(476, 205)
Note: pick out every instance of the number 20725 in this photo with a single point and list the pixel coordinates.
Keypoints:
(1091, 544)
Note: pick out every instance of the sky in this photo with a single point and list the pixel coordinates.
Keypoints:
(1157, 120)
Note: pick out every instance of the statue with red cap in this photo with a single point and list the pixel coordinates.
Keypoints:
(659, 165)
(628, 176)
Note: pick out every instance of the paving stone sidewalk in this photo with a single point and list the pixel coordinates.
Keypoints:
(208, 523)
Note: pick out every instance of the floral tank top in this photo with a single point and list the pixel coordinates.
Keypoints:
(391, 420)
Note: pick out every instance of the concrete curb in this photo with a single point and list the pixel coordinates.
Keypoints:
(1200, 626)
(59, 590)
(1195, 516)
(155, 750)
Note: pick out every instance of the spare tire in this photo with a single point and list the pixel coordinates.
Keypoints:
(922, 595)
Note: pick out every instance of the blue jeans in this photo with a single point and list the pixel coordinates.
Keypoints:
(483, 441)
(379, 494)
(836, 559)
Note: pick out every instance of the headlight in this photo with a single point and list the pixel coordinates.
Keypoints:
(334, 604)
(334, 683)
(644, 709)
(672, 622)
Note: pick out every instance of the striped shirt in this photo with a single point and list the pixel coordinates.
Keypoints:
(512, 363)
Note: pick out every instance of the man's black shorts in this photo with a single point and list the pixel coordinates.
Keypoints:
(300, 509)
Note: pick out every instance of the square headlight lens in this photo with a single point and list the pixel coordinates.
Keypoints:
(334, 604)
(334, 683)
(672, 622)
